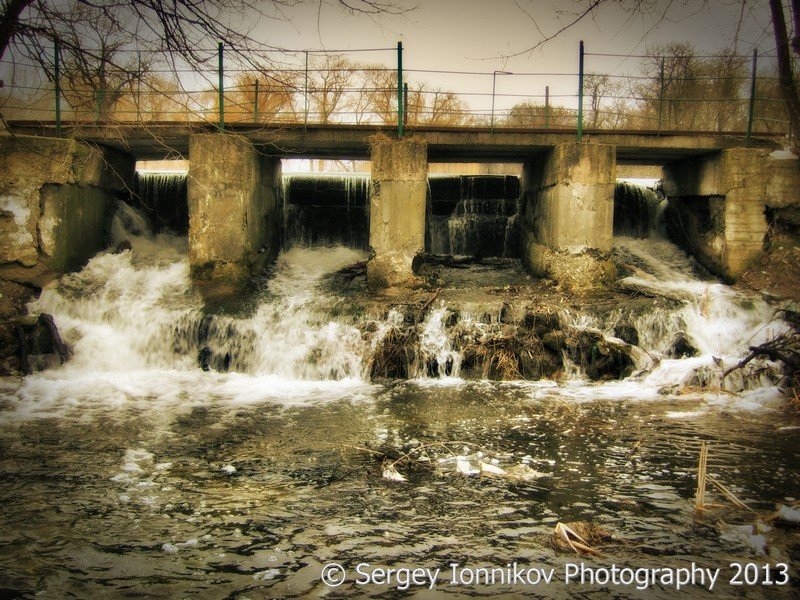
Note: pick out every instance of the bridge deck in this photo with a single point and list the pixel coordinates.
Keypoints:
(158, 140)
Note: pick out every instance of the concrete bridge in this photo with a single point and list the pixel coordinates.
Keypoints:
(57, 189)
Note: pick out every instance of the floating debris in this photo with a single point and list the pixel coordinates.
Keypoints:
(579, 537)
(786, 514)
(392, 474)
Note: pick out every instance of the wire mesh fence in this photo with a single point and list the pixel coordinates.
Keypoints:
(723, 93)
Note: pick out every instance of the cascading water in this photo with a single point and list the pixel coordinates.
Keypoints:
(162, 196)
(324, 209)
(473, 215)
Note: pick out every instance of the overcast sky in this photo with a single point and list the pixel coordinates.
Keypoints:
(482, 35)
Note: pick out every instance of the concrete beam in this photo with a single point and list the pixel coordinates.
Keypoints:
(398, 198)
(568, 203)
(56, 198)
(233, 193)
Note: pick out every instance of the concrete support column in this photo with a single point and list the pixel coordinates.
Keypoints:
(718, 204)
(233, 194)
(56, 200)
(397, 211)
(568, 200)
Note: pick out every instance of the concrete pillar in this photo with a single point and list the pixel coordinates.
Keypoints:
(397, 211)
(568, 200)
(234, 203)
(718, 204)
(56, 199)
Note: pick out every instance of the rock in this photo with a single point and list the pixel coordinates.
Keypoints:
(627, 333)
(13, 298)
(122, 247)
(29, 344)
(599, 357)
(452, 318)
(538, 362)
(681, 347)
(555, 340)
(541, 322)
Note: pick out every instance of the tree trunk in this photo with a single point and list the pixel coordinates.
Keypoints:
(796, 18)
(785, 74)
(9, 20)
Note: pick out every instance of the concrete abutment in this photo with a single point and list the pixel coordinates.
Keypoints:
(234, 205)
(718, 204)
(398, 198)
(56, 200)
(568, 208)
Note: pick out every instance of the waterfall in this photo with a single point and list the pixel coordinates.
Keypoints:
(473, 215)
(136, 312)
(162, 197)
(635, 210)
(326, 210)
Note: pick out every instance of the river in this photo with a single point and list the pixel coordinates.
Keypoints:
(131, 472)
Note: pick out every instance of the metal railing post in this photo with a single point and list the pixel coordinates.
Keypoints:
(580, 92)
(255, 103)
(751, 109)
(661, 96)
(547, 107)
(399, 89)
(494, 85)
(305, 97)
(57, 76)
(221, 88)
(405, 105)
(139, 87)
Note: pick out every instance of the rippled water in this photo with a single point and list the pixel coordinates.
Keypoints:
(130, 472)
(217, 499)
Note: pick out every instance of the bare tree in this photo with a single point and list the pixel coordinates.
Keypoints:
(95, 80)
(598, 88)
(329, 87)
(270, 96)
(534, 115)
(634, 8)
(377, 96)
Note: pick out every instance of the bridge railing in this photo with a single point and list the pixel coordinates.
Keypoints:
(676, 90)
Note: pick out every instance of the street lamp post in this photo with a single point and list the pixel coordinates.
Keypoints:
(494, 86)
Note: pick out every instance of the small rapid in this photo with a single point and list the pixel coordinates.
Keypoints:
(135, 310)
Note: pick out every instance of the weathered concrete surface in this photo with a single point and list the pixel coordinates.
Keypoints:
(55, 200)
(155, 140)
(233, 192)
(568, 201)
(718, 204)
(397, 211)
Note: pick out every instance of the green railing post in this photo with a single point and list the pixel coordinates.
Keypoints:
(305, 96)
(255, 104)
(661, 96)
(547, 107)
(57, 76)
(139, 87)
(98, 99)
(580, 92)
(399, 89)
(405, 105)
(751, 109)
(221, 89)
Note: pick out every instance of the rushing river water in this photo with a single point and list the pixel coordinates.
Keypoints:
(131, 472)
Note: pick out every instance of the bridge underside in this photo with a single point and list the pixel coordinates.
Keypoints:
(155, 141)
(721, 191)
